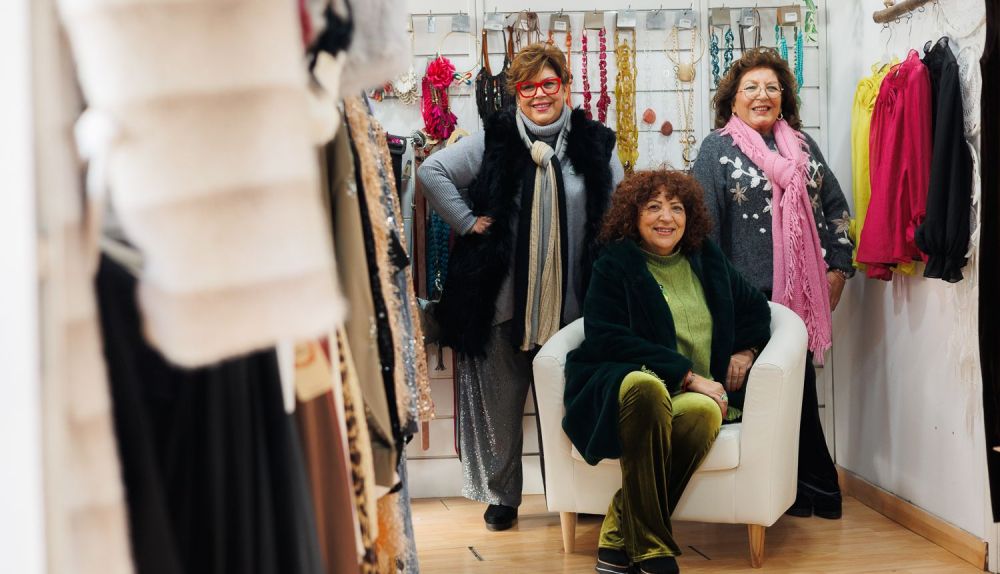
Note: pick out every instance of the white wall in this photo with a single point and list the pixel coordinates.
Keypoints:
(21, 529)
(906, 418)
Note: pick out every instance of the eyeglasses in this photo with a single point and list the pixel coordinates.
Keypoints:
(753, 90)
(548, 86)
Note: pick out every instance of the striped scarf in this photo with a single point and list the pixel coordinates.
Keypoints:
(543, 304)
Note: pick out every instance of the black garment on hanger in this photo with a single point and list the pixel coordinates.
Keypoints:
(989, 248)
(397, 149)
(213, 470)
(944, 233)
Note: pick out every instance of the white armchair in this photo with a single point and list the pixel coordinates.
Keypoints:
(749, 476)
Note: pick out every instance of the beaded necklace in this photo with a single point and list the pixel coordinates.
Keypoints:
(605, 100)
(799, 49)
(627, 130)
(779, 35)
(586, 79)
(728, 54)
(713, 49)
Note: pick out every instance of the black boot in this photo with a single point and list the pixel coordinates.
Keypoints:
(610, 561)
(803, 505)
(829, 506)
(500, 517)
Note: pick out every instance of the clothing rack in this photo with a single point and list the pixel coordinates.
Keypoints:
(893, 12)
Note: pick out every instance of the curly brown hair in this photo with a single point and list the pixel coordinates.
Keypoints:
(531, 59)
(730, 84)
(635, 191)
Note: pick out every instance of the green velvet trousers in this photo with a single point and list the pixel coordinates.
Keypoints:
(663, 440)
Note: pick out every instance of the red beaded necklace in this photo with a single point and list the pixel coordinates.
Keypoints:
(583, 75)
(605, 100)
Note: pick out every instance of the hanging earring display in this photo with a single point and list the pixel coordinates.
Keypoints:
(685, 74)
(649, 116)
(627, 131)
(439, 122)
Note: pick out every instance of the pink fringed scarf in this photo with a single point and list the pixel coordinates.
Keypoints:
(799, 269)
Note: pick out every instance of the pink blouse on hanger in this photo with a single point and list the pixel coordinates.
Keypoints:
(900, 158)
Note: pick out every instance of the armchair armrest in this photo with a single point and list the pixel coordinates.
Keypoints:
(549, 368)
(770, 430)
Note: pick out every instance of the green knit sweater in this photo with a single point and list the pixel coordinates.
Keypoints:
(686, 298)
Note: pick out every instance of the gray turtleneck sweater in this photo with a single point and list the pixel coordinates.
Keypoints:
(447, 174)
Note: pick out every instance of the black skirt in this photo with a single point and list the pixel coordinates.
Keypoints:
(212, 465)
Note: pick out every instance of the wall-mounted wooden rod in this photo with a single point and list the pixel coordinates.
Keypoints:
(891, 13)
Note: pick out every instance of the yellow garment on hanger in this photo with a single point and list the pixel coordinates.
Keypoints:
(861, 117)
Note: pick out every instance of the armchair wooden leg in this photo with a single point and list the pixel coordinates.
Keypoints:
(568, 522)
(756, 532)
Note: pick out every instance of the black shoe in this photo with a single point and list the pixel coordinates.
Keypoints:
(663, 565)
(610, 561)
(829, 506)
(803, 505)
(500, 517)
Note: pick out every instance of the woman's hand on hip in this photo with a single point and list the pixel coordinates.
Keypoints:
(482, 224)
(712, 390)
(837, 282)
(739, 366)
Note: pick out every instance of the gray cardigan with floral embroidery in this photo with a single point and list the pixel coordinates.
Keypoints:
(738, 197)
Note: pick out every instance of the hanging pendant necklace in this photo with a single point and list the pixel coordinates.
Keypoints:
(583, 75)
(627, 131)
(756, 32)
(779, 39)
(685, 74)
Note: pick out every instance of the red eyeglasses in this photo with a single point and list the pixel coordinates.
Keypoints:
(548, 86)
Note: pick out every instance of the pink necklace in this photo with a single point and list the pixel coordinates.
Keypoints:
(586, 80)
(605, 100)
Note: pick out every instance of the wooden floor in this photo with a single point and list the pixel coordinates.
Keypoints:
(451, 539)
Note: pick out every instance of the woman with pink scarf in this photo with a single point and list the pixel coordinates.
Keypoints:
(782, 219)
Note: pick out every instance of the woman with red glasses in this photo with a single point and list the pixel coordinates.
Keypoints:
(525, 196)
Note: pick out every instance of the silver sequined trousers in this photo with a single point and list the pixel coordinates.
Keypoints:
(491, 395)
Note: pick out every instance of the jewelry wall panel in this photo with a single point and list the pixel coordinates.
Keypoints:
(669, 36)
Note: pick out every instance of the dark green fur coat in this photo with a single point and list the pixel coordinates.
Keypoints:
(628, 326)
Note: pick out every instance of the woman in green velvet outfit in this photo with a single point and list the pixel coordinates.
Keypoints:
(671, 332)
